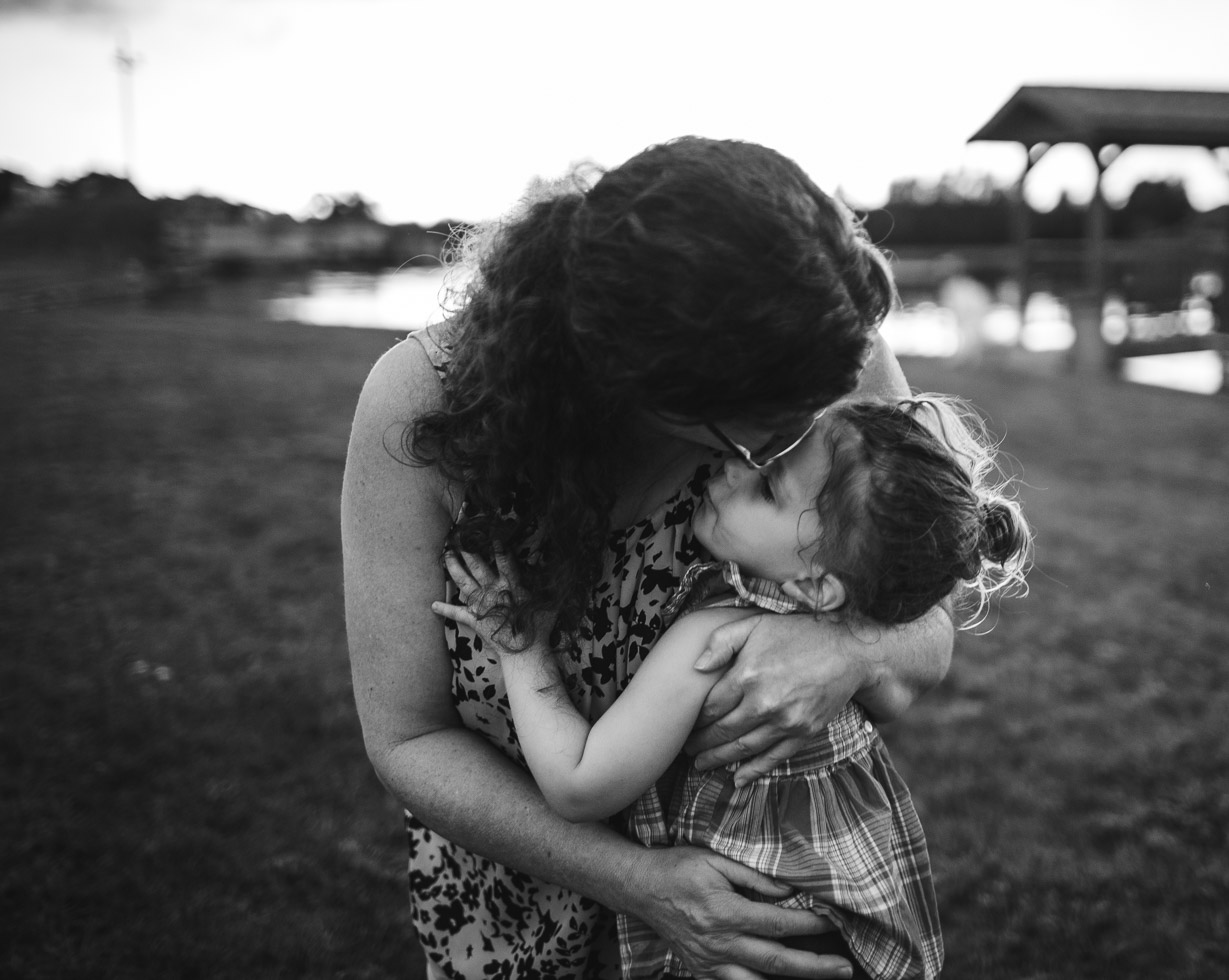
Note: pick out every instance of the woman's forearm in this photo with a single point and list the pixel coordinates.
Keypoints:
(787, 677)
(903, 663)
(469, 792)
(472, 794)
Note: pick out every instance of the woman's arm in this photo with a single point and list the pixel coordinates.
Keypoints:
(791, 674)
(786, 677)
(394, 521)
(587, 772)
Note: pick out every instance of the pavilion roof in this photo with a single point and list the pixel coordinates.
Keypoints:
(1099, 117)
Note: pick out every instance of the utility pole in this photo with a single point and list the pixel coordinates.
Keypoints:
(125, 63)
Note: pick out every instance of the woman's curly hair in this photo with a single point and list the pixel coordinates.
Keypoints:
(702, 280)
(915, 508)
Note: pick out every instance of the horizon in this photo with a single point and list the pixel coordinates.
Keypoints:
(271, 103)
(313, 213)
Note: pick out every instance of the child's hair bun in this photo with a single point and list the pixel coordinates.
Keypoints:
(1004, 535)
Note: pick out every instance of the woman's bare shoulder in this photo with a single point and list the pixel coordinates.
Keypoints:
(401, 388)
(882, 376)
(403, 381)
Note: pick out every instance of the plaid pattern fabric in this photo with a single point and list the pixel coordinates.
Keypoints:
(836, 822)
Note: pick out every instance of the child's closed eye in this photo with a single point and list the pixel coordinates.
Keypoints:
(766, 488)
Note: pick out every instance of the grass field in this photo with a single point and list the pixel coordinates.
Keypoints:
(184, 792)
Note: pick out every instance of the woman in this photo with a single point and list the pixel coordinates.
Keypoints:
(703, 297)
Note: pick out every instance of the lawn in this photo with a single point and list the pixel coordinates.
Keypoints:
(184, 791)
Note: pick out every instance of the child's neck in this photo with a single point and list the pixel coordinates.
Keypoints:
(708, 556)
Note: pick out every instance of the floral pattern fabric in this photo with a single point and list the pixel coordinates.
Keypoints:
(476, 918)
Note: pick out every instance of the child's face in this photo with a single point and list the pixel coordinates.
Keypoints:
(765, 520)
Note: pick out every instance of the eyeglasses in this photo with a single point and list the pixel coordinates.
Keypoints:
(776, 446)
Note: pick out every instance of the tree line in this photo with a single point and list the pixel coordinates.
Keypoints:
(101, 212)
(964, 209)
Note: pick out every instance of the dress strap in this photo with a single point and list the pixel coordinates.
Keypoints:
(437, 345)
(706, 584)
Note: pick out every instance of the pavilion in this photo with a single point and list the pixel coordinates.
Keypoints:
(1107, 121)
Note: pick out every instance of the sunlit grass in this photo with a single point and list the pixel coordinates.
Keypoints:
(1072, 768)
(184, 790)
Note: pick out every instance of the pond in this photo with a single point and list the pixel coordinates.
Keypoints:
(407, 299)
(402, 299)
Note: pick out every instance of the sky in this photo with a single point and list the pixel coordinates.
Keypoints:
(448, 109)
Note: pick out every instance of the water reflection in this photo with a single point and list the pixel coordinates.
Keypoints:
(403, 300)
(929, 329)
(408, 299)
(1200, 371)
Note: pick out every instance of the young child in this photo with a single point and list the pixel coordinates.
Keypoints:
(882, 512)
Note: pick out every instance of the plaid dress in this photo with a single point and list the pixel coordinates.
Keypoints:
(836, 822)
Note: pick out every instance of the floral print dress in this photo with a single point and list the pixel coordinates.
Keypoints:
(476, 918)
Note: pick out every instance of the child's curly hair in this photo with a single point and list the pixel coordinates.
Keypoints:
(915, 508)
(703, 280)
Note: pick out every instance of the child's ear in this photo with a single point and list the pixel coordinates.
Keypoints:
(819, 593)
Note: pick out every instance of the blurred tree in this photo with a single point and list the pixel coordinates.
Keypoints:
(954, 187)
(961, 208)
(1154, 205)
(97, 187)
(204, 207)
(97, 216)
(10, 182)
(969, 208)
(1066, 220)
(347, 207)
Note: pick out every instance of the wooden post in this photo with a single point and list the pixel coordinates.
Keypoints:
(1020, 228)
(1220, 304)
(1089, 354)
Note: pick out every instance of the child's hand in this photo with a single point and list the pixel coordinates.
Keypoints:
(482, 589)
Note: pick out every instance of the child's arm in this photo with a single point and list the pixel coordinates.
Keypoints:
(589, 772)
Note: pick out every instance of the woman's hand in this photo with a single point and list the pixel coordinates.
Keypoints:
(690, 897)
(792, 674)
(786, 684)
(484, 592)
